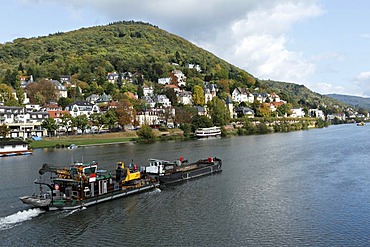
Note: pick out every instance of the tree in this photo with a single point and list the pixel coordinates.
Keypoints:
(145, 133)
(50, 125)
(98, 120)
(218, 112)
(184, 114)
(4, 130)
(41, 92)
(125, 112)
(6, 93)
(110, 118)
(63, 102)
(67, 122)
(198, 95)
(81, 122)
(264, 111)
(198, 121)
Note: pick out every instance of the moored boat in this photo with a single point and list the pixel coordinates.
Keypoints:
(81, 185)
(12, 147)
(171, 172)
(208, 132)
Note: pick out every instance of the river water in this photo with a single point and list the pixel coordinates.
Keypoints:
(304, 188)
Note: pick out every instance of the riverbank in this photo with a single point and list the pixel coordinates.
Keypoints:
(96, 139)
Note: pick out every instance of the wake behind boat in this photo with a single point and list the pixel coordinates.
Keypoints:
(82, 185)
(171, 172)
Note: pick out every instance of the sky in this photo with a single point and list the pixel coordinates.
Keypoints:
(322, 44)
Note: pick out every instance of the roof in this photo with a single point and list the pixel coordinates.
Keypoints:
(8, 141)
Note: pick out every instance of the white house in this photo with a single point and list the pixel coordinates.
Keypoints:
(185, 98)
(242, 95)
(61, 90)
(297, 113)
(181, 78)
(164, 81)
(316, 113)
(162, 100)
(148, 90)
(210, 91)
(82, 108)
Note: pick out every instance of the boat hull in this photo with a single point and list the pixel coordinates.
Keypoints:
(53, 205)
(179, 176)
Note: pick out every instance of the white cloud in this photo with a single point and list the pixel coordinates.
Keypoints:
(250, 34)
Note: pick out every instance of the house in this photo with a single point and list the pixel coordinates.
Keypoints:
(149, 101)
(21, 123)
(10, 114)
(92, 98)
(194, 66)
(51, 106)
(162, 100)
(164, 81)
(240, 94)
(242, 111)
(36, 117)
(258, 97)
(230, 106)
(112, 77)
(61, 90)
(201, 110)
(82, 108)
(148, 90)
(148, 117)
(179, 78)
(185, 98)
(297, 113)
(25, 81)
(65, 79)
(175, 88)
(210, 91)
(316, 113)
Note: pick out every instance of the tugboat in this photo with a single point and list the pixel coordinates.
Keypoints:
(172, 172)
(82, 185)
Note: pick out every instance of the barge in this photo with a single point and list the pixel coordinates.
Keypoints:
(167, 172)
(82, 185)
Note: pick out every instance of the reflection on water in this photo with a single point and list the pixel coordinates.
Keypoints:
(298, 188)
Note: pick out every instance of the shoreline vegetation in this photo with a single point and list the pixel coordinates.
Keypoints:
(246, 128)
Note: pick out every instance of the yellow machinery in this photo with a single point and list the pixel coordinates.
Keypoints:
(126, 174)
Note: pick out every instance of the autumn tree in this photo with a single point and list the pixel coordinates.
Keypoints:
(43, 90)
(6, 93)
(264, 111)
(125, 113)
(198, 95)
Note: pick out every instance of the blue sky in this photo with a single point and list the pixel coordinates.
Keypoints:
(322, 44)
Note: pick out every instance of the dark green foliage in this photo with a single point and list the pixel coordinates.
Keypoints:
(198, 121)
(89, 53)
(145, 133)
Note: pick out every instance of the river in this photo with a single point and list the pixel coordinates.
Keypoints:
(303, 188)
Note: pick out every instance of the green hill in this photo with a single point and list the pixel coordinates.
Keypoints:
(88, 54)
(299, 95)
(354, 101)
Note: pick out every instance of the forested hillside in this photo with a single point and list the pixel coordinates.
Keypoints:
(299, 95)
(354, 101)
(89, 53)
